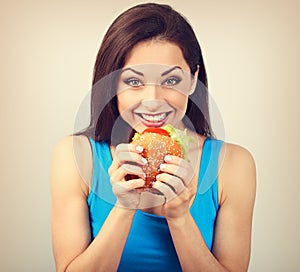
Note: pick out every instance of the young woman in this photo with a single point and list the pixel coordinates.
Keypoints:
(150, 72)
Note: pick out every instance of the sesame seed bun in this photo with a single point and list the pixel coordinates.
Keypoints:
(156, 147)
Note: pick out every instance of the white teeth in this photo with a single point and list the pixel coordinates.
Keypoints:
(154, 118)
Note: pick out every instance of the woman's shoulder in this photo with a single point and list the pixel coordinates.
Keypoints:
(74, 147)
(237, 155)
(72, 161)
(237, 171)
(68, 143)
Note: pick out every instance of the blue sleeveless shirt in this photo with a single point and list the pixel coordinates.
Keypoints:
(154, 251)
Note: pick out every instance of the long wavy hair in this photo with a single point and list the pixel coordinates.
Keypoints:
(140, 23)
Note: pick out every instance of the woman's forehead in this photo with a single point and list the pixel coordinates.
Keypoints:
(158, 52)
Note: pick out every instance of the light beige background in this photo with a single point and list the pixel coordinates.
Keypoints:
(48, 48)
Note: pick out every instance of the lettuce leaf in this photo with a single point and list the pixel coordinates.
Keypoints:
(135, 136)
(180, 137)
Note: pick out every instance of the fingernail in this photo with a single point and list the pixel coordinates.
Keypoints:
(158, 176)
(139, 148)
(162, 167)
(144, 161)
(144, 175)
(168, 158)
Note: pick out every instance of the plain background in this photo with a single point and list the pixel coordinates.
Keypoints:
(48, 48)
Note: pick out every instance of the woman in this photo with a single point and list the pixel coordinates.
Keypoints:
(102, 222)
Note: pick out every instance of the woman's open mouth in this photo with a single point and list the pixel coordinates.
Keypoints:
(153, 120)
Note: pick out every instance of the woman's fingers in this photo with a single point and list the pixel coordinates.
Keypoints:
(127, 193)
(165, 189)
(122, 187)
(178, 167)
(129, 156)
(127, 161)
(128, 148)
(127, 153)
(173, 182)
(125, 169)
(175, 178)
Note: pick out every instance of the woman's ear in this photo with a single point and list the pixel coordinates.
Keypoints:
(194, 81)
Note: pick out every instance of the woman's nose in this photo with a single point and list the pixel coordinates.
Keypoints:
(152, 105)
(151, 92)
(152, 98)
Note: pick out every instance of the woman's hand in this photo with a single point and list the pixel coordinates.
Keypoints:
(178, 185)
(127, 161)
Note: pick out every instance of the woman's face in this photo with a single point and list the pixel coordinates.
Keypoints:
(154, 85)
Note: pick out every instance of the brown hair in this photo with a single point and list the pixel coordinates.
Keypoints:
(141, 23)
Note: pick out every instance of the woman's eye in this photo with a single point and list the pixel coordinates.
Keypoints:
(134, 82)
(172, 81)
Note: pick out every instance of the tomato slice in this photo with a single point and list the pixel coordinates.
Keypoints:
(156, 130)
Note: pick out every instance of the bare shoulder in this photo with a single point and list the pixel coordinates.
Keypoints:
(237, 155)
(237, 172)
(72, 163)
(67, 143)
(73, 147)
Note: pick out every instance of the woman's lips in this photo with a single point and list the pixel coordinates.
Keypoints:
(153, 120)
(154, 117)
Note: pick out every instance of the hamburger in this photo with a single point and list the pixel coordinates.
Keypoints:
(157, 143)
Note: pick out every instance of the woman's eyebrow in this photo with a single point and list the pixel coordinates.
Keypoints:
(171, 69)
(135, 71)
(163, 74)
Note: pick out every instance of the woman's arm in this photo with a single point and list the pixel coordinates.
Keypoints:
(72, 247)
(232, 240)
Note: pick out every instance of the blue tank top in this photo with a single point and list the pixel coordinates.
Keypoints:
(154, 250)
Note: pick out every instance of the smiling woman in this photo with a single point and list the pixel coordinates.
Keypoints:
(155, 93)
(150, 76)
(127, 32)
